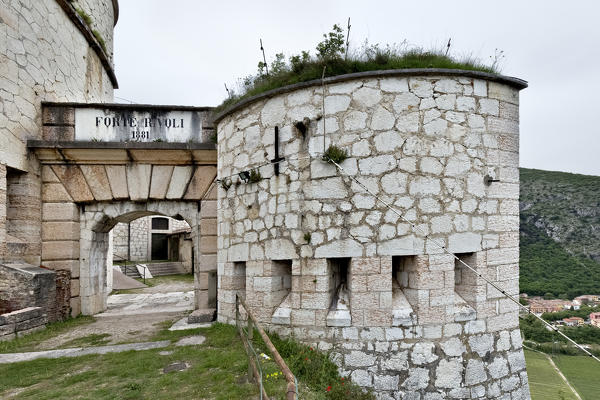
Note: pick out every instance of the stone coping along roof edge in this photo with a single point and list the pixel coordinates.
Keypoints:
(115, 4)
(508, 80)
(87, 33)
(127, 106)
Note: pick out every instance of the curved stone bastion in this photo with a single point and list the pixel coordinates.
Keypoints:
(319, 258)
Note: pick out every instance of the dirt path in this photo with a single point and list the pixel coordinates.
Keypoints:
(133, 317)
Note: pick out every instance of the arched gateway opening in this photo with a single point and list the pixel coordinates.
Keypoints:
(96, 175)
(96, 254)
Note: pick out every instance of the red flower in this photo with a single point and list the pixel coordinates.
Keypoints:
(329, 388)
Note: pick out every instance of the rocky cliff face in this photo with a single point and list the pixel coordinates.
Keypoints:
(563, 206)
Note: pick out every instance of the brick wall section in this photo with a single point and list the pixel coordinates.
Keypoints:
(2, 211)
(23, 216)
(21, 322)
(23, 285)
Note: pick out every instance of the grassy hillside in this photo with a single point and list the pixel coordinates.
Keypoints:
(560, 233)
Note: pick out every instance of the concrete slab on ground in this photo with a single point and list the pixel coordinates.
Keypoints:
(122, 281)
(183, 324)
(79, 351)
(148, 303)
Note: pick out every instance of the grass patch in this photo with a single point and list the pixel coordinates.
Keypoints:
(30, 342)
(314, 369)
(217, 370)
(332, 54)
(582, 372)
(544, 381)
(95, 339)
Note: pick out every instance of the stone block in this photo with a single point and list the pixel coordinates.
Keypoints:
(208, 226)
(303, 317)
(209, 209)
(48, 176)
(207, 262)
(52, 115)
(97, 180)
(60, 212)
(59, 133)
(161, 178)
(202, 315)
(75, 306)
(139, 174)
(64, 265)
(118, 181)
(74, 287)
(503, 92)
(200, 182)
(74, 182)
(60, 250)
(30, 324)
(365, 266)
(208, 244)
(179, 181)
(339, 318)
(55, 192)
(60, 230)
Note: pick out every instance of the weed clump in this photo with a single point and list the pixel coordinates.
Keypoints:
(335, 154)
(255, 176)
(307, 237)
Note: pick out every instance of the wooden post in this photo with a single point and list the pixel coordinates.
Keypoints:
(250, 334)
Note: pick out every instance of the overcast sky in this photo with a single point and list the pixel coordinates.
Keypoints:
(182, 52)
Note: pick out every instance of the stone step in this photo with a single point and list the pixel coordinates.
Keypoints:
(167, 268)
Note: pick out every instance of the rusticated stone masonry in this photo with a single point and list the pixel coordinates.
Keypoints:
(320, 259)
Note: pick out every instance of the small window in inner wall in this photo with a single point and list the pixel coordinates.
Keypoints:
(160, 223)
(338, 274)
(281, 271)
(465, 280)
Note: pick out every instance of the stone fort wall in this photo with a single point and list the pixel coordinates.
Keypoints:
(141, 237)
(45, 55)
(317, 257)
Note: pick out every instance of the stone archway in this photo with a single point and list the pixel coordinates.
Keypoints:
(97, 220)
(81, 201)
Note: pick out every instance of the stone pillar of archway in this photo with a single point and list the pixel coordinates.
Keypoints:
(60, 237)
(206, 263)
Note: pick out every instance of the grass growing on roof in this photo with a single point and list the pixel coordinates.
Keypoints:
(332, 54)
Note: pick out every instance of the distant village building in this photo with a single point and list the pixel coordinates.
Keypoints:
(573, 321)
(540, 306)
(595, 319)
(588, 299)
